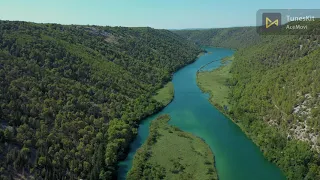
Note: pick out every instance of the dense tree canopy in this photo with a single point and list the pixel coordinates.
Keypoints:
(71, 96)
(275, 86)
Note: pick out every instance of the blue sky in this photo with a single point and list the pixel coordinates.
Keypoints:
(164, 14)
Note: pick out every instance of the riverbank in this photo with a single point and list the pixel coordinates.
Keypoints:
(215, 83)
(165, 95)
(170, 153)
(191, 112)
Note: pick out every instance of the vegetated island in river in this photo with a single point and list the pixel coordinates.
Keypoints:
(170, 153)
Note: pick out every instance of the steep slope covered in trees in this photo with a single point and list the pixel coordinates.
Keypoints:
(275, 98)
(275, 95)
(71, 96)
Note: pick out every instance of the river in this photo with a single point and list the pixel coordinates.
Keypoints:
(236, 156)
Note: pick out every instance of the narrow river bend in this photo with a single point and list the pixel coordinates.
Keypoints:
(236, 156)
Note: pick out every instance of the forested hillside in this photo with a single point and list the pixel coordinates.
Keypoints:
(235, 38)
(276, 99)
(275, 96)
(71, 96)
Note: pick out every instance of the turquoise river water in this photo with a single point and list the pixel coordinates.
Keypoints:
(236, 156)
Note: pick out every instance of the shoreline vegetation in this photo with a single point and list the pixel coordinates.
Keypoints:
(209, 82)
(215, 83)
(201, 54)
(170, 153)
(165, 95)
(200, 69)
(162, 96)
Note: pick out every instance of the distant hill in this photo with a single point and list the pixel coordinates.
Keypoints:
(71, 96)
(235, 38)
(188, 29)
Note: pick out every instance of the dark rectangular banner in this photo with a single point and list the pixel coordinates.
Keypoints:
(288, 21)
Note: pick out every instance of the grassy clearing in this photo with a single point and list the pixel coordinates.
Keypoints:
(215, 83)
(165, 94)
(170, 153)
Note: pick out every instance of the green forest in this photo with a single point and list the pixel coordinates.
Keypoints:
(72, 96)
(274, 93)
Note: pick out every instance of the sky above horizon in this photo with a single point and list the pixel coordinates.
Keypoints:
(161, 14)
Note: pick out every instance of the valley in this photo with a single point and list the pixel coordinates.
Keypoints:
(101, 102)
(235, 155)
